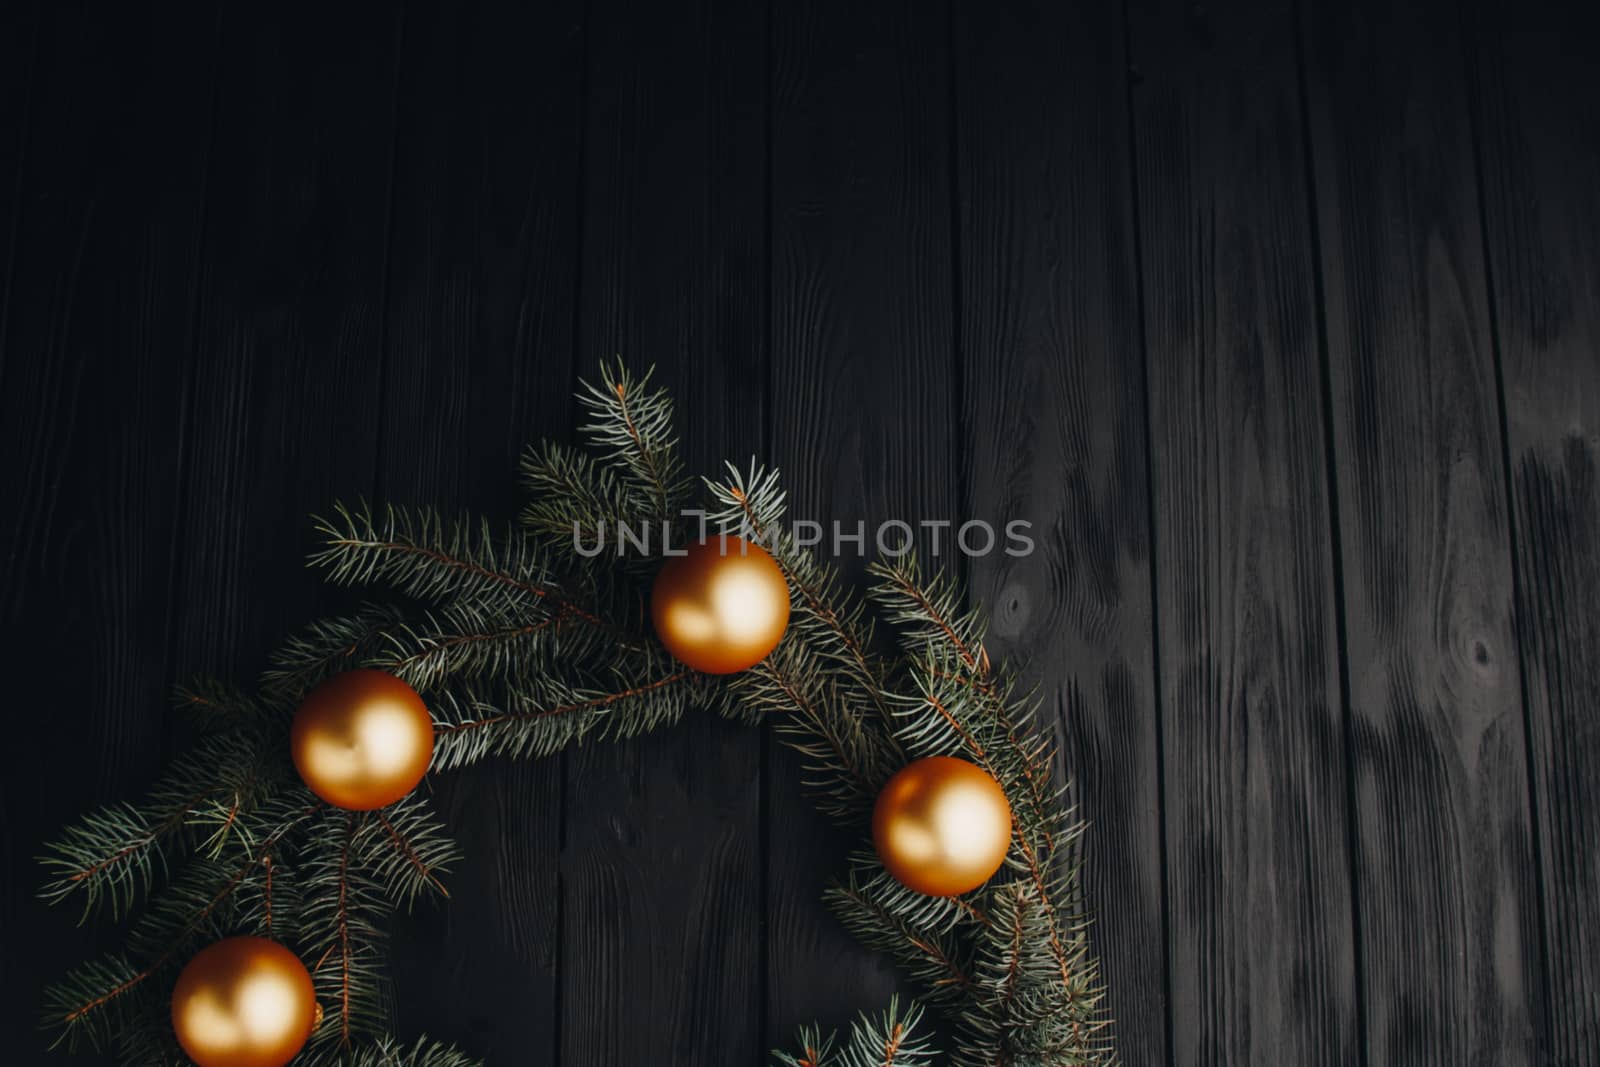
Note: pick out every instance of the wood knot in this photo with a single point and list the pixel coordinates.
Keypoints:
(1012, 610)
(1481, 660)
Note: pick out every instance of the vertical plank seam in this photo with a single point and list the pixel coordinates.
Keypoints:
(768, 736)
(1336, 543)
(14, 230)
(958, 398)
(1475, 89)
(381, 389)
(565, 759)
(183, 496)
(1150, 537)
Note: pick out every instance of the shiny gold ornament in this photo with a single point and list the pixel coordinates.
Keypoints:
(942, 826)
(362, 740)
(244, 1002)
(720, 609)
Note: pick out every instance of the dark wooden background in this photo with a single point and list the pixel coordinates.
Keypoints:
(1280, 322)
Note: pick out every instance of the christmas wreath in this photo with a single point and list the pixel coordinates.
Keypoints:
(262, 867)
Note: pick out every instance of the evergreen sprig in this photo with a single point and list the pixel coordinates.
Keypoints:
(631, 425)
(525, 641)
(890, 1040)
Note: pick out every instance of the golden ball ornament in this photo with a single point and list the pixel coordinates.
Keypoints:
(362, 740)
(942, 826)
(244, 1002)
(722, 606)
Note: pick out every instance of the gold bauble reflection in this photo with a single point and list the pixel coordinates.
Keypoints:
(244, 1002)
(720, 609)
(362, 740)
(942, 826)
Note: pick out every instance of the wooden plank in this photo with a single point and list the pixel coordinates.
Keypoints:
(864, 421)
(1540, 156)
(1054, 413)
(288, 383)
(1262, 947)
(661, 945)
(19, 24)
(95, 349)
(478, 364)
(1445, 883)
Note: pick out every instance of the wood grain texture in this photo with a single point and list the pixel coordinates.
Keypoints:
(864, 419)
(1262, 959)
(661, 924)
(1540, 166)
(19, 36)
(1053, 393)
(478, 363)
(258, 258)
(91, 415)
(1446, 879)
(287, 387)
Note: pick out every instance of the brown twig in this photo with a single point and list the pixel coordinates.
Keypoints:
(156, 832)
(475, 569)
(645, 453)
(967, 655)
(344, 932)
(954, 974)
(891, 1050)
(444, 644)
(404, 848)
(865, 785)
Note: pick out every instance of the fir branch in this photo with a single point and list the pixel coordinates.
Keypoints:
(890, 1040)
(387, 1052)
(827, 618)
(145, 1037)
(519, 661)
(342, 922)
(447, 645)
(112, 856)
(420, 555)
(84, 1005)
(88, 1005)
(632, 425)
(845, 763)
(343, 930)
(409, 849)
(944, 645)
(569, 492)
(816, 1050)
(539, 717)
(924, 612)
(326, 648)
(213, 706)
(916, 929)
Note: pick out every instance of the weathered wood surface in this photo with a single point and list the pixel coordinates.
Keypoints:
(1445, 878)
(481, 290)
(661, 905)
(98, 322)
(1279, 325)
(1053, 391)
(1538, 128)
(1257, 835)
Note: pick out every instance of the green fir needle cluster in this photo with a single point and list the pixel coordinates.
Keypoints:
(522, 645)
